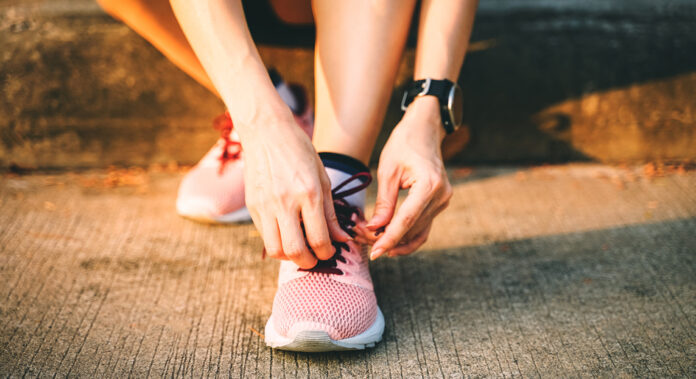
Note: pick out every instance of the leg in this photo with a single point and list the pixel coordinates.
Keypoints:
(359, 46)
(154, 20)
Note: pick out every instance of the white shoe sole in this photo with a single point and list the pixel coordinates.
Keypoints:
(314, 341)
(198, 212)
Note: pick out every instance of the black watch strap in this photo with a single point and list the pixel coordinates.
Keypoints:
(433, 87)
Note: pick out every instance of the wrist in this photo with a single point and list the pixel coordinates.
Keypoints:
(265, 123)
(254, 104)
(424, 112)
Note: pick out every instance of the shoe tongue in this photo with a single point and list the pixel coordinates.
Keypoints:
(341, 167)
(337, 177)
(288, 96)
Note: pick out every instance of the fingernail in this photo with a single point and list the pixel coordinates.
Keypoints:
(376, 253)
(372, 225)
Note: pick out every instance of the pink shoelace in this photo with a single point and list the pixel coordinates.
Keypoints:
(344, 214)
(232, 150)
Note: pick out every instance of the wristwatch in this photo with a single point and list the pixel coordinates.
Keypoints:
(448, 93)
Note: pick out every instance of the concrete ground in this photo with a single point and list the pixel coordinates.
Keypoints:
(557, 271)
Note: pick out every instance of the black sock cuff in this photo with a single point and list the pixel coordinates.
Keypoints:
(343, 162)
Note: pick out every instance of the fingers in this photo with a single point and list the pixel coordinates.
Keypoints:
(268, 228)
(317, 232)
(293, 241)
(363, 235)
(405, 230)
(271, 240)
(387, 195)
(416, 237)
(415, 203)
(412, 245)
(426, 218)
(284, 237)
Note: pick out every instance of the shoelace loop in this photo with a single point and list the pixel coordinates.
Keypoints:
(231, 150)
(344, 214)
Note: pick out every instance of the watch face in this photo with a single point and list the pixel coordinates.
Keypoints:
(456, 105)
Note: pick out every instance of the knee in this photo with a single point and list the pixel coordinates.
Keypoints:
(109, 6)
(120, 8)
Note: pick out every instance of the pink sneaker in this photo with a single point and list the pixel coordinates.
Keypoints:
(331, 306)
(213, 191)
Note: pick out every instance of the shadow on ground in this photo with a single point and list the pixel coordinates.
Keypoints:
(534, 278)
(605, 302)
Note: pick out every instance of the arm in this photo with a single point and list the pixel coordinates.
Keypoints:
(444, 31)
(412, 158)
(284, 178)
(218, 34)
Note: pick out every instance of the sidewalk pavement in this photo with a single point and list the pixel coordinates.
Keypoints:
(559, 271)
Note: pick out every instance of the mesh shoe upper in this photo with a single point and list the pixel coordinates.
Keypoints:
(212, 188)
(336, 296)
(317, 301)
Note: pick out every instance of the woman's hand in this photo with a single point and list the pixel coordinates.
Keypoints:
(285, 184)
(411, 159)
(284, 178)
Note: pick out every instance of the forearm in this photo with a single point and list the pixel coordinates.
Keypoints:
(217, 31)
(443, 38)
(412, 157)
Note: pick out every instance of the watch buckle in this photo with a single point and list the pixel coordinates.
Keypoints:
(426, 88)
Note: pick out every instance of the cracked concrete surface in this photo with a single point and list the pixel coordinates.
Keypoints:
(559, 271)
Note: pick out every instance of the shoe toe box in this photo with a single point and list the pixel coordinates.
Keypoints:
(206, 192)
(316, 302)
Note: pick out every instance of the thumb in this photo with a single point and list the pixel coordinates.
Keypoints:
(387, 195)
